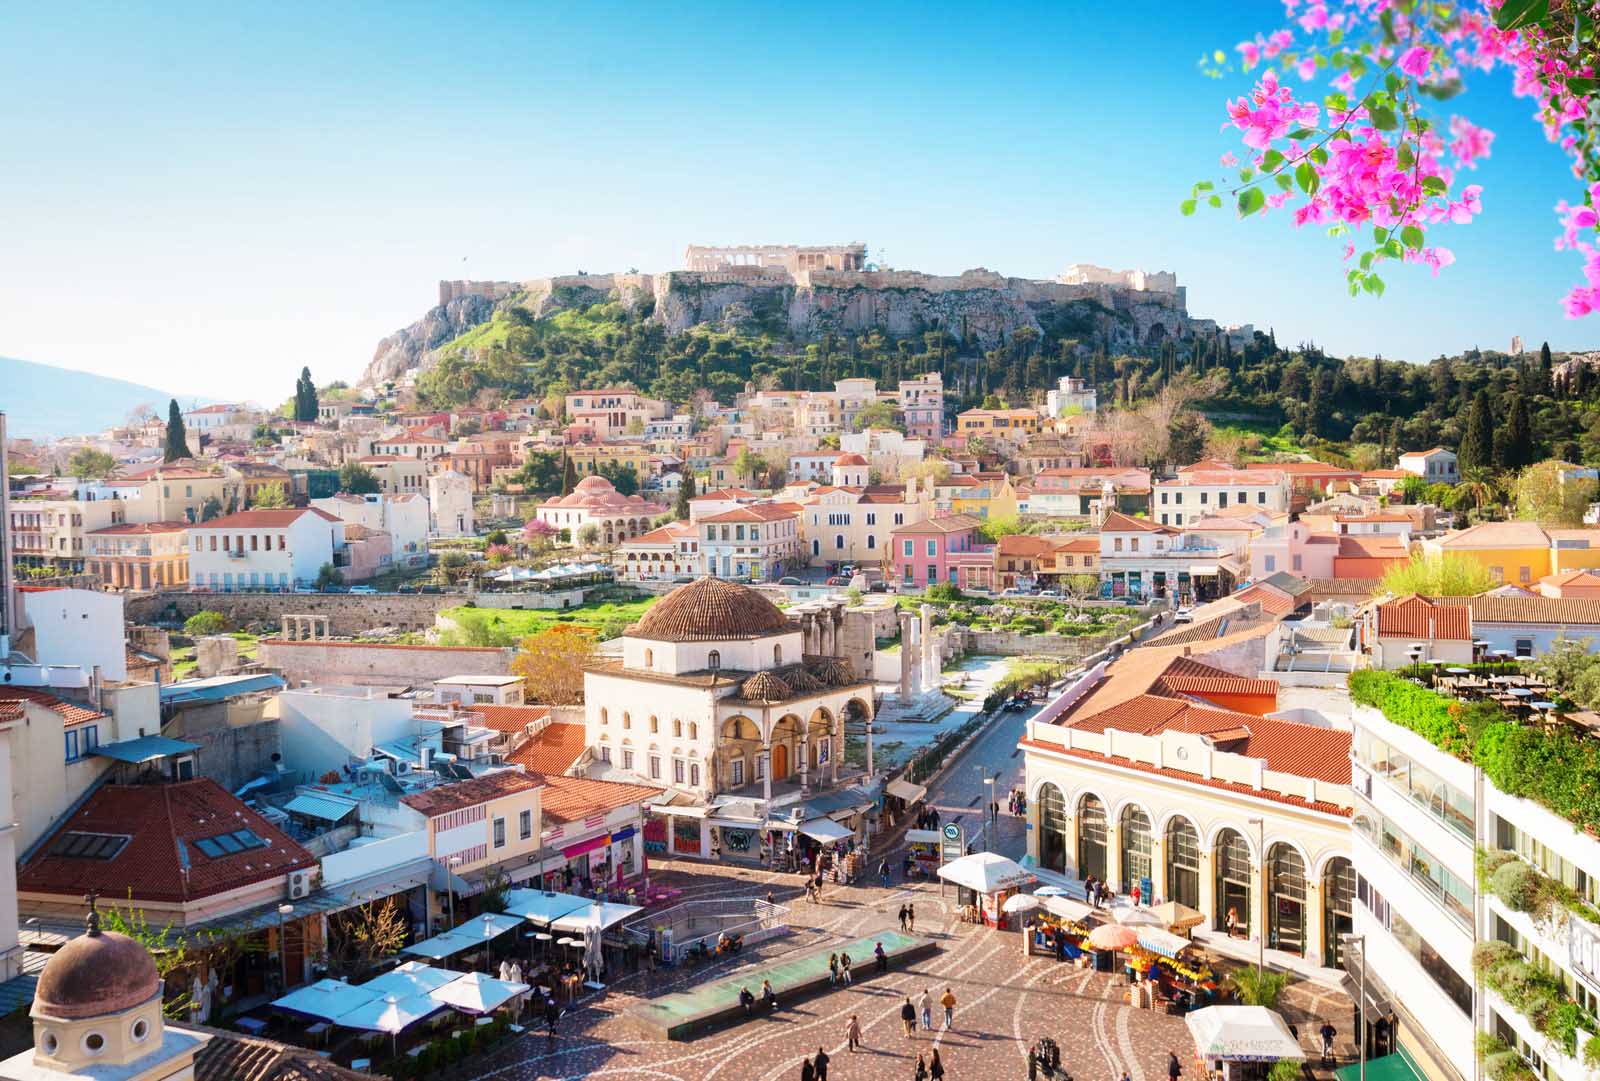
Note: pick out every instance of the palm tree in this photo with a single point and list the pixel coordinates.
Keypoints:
(1478, 486)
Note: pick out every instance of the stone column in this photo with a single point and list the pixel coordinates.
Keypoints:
(869, 754)
(766, 773)
(836, 748)
(805, 759)
(906, 621)
(930, 679)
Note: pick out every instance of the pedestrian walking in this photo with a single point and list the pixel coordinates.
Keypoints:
(908, 1018)
(1327, 1032)
(844, 968)
(1174, 1068)
(852, 1032)
(935, 1067)
(948, 1001)
(925, 1007)
(1033, 1064)
(921, 1072)
(833, 970)
(911, 917)
(902, 917)
(1125, 1076)
(821, 1064)
(881, 957)
(883, 873)
(552, 1014)
(808, 1072)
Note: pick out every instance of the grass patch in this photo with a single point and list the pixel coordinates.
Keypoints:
(1268, 440)
(184, 662)
(507, 627)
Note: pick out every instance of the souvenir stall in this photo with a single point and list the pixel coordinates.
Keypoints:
(1168, 973)
(1059, 927)
(984, 882)
(1244, 1041)
(922, 854)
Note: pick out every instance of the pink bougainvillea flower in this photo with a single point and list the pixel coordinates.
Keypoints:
(1415, 60)
(1229, 160)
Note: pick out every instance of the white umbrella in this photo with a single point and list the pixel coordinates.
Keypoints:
(1242, 1034)
(1020, 902)
(390, 1014)
(986, 872)
(1050, 891)
(1135, 916)
(411, 978)
(478, 993)
(325, 999)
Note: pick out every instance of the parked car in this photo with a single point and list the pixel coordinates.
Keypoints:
(838, 580)
(880, 587)
(362, 589)
(790, 580)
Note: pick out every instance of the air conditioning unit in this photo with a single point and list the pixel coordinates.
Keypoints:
(300, 883)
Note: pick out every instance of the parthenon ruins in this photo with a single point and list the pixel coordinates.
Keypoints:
(786, 257)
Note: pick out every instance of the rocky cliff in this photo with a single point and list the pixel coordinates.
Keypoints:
(979, 305)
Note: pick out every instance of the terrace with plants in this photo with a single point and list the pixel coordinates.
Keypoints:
(1024, 615)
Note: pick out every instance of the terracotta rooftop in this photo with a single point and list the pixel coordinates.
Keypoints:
(1531, 609)
(1497, 535)
(850, 459)
(455, 797)
(264, 519)
(1117, 522)
(140, 528)
(12, 698)
(233, 1056)
(168, 828)
(1188, 676)
(572, 799)
(710, 610)
(552, 751)
(508, 719)
(1418, 617)
(949, 523)
(755, 512)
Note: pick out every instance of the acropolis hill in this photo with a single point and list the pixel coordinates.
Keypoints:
(815, 290)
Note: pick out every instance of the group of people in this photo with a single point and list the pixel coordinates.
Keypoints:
(928, 818)
(816, 1067)
(908, 918)
(839, 969)
(768, 1000)
(924, 1008)
(1098, 893)
(1017, 803)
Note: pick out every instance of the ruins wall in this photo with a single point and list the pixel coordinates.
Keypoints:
(368, 664)
(348, 613)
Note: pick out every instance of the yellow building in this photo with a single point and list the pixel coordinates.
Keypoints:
(1001, 423)
(982, 495)
(587, 460)
(479, 825)
(1520, 552)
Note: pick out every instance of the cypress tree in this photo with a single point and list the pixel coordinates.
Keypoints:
(1514, 443)
(1477, 445)
(177, 445)
(569, 475)
(685, 493)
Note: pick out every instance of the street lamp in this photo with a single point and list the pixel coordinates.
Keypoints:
(1261, 861)
(987, 807)
(1361, 1000)
(284, 912)
(455, 861)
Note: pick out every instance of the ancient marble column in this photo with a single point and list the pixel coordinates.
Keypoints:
(906, 660)
(930, 669)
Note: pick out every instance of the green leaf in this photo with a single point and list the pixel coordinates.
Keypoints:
(1386, 20)
(1318, 155)
(1306, 176)
(1393, 84)
(1442, 91)
(1366, 260)
(1392, 250)
(1515, 13)
(1336, 102)
(1186, 207)
(1271, 161)
(1434, 185)
(1284, 181)
(1380, 235)
(1246, 175)
(1411, 236)
(1214, 201)
(1373, 284)
(1335, 36)
(1583, 87)
(1383, 118)
(1250, 201)
(1405, 157)
(1302, 133)
(1204, 185)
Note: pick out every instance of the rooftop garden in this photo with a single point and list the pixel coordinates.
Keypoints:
(1557, 767)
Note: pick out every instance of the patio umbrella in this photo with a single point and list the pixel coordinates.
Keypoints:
(1135, 916)
(1050, 891)
(1179, 915)
(1459, 671)
(1020, 902)
(985, 872)
(411, 978)
(1112, 936)
(477, 993)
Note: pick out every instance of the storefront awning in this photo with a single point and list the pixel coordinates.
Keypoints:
(1395, 1067)
(1203, 570)
(922, 837)
(327, 808)
(1065, 908)
(900, 788)
(825, 830)
(1242, 1034)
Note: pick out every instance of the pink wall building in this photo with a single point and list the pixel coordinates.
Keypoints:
(923, 551)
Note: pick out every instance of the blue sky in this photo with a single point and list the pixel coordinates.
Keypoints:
(207, 197)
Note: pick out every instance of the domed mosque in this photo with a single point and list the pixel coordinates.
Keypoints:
(717, 698)
(97, 1017)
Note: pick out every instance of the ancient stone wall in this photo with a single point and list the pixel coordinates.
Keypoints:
(348, 613)
(370, 664)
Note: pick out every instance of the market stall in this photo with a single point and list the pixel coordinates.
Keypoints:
(1059, 927)
(922, 856)
(1243, 1040)
(1168, 971)
(984, 881)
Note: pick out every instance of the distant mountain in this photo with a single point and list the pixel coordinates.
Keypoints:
(40, 401)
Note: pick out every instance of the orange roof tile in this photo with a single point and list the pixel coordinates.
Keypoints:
(454, 797)
(572, 799)
(552, 751)
(12, 698)
(1187, 676)
(1418, 617)
(508, 719)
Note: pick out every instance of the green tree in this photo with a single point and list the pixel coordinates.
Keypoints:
(1186, 437)
(357, 479)
(1545, 495)
(211, 508)
(177, 444)
(1512, 443)
(269, 497)
(91, 464)
(541, 472)
(569, 475)
(877, 415)
(329, 575)
(622, 477)
(1447, 575)
(685, 493)
(589, 535)
(1477, 446)
(205, 622)
(305, 397)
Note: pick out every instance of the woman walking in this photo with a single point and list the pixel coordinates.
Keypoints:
(935, 1068)
(852, 1032)
(921, 1072)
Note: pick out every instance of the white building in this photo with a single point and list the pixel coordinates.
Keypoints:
(715, 699)
(403, 517)
(1071, 395)
(450, 504)
(1436, 466)
(759, 542)
(664, 554)
(273, 550)
(596, 501)
(1199, 493)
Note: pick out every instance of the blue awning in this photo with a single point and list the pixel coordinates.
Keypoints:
(327, 808)
(144, 749)
(218, 688)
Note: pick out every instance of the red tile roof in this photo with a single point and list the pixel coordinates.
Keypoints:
(508, 719)
(552, 751)
(1417, 617)
(454, 797)
(755, 512)
(1117, 522)
(949, 523)
(1270, 599)
(264, 519)
(12, 698)
(1187, 676)
(161, 861)
(572, 799)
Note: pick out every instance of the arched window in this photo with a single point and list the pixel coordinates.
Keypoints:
(655, 726)
(1091, 837)
(1338, 897)
(777, 654)
(838, 541)
(1134, 828)
(677, 728)
(627, 720)
(816, 547)
(694, 774)
(714, 660)
(649, 658)
(1052, 828)
(604, 717)
(1232, 860)
(872, 540)
(694, 730)
(1183, 863)
(1286, 899)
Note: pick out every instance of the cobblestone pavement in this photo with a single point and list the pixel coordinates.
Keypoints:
(1004, 1003)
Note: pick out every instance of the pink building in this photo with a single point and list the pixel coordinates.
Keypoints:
(1293, 549)
(924, 551)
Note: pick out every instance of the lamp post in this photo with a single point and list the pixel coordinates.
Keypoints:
(455, 861)
(1261, 861)
(1361, 1000)
(284, 912)
(988, 806)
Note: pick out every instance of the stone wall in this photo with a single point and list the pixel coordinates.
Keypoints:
(1013, 644)
(348, 613)
(373, 664)
(237, 742)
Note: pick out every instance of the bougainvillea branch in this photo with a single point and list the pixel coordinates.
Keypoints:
(1369, 160)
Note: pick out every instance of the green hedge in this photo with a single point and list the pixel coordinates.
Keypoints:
(1559, 770)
